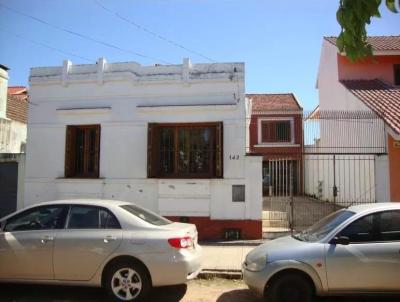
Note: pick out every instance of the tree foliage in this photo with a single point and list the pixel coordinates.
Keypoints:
(353, 17)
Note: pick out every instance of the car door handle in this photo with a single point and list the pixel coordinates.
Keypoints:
(46, 239)
(107, 239)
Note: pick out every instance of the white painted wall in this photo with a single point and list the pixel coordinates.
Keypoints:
(131, 96)
(332, 94)
(12, 133)
(358, 177)
(355, 176)
(12, 136)
(3, 91)
(382, 178)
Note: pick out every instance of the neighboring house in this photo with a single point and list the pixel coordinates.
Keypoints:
(276, 133)
(167, 137)
(13, 121)
(369, 86)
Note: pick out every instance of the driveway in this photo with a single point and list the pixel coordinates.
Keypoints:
(219, 290)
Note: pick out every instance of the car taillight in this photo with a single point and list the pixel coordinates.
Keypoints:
(181, 243)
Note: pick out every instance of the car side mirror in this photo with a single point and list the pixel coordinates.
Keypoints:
(342, 240)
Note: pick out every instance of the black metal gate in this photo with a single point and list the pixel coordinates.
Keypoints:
(337, 169)
(8, 187)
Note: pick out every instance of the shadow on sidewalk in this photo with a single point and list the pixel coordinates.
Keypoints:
(245, 295)
(238, 295)
(50, 293)
(359, 299)
(168, 293)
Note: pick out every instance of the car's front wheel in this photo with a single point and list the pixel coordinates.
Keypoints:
(127, 281)
(289, 288)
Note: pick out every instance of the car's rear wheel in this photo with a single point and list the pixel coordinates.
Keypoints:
(289, 288)
(127, 281)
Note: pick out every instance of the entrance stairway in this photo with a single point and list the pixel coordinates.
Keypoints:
(275, 224)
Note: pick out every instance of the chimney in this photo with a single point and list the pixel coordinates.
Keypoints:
(3, 90)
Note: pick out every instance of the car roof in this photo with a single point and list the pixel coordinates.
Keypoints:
(375, 206)
(88, 201)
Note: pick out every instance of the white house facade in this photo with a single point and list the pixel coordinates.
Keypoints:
(170, 138)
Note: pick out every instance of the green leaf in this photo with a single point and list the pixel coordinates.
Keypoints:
(340, 16)
(391, 5)
(339, 43)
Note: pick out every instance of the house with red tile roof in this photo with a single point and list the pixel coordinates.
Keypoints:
(275, 132)
(370, 85)
(13, 115)
(13, 133)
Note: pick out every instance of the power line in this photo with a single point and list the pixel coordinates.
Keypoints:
(154, 34)
(82, 36)
(46, 46)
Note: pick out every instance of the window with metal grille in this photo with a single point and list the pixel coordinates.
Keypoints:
(82, 151)
(185, 150)
(276, 131)
(397, 74)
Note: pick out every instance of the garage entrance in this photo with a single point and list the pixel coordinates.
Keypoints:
(8, 187)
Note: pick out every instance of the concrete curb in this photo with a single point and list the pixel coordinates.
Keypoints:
(225, 274)
(233, 243)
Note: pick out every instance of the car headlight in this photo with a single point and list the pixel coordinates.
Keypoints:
(257, 264)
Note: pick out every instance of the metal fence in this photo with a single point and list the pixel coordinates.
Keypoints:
(337, 168)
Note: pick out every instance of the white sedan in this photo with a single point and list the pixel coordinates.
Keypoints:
(114, 244)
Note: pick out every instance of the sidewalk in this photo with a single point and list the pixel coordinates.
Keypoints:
(224, 259)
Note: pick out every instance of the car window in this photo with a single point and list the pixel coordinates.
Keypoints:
(90, 217)
(389, 226)
(323, 227)
(108, 220)
(361, 230)
(40, 218)
(146, 215)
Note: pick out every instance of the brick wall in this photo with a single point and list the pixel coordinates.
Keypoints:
(210, 229)
(298, 136)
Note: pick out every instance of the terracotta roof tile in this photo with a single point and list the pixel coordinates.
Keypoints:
(17, 104)
(274, 102)
(315, 114)
(16, 89)
(378, 43)
(381, 98)
(17, 108)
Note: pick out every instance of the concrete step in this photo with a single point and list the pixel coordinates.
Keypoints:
(267, 215)
(275, 223)
(275, 232)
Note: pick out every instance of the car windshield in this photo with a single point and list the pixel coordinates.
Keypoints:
(146, 215)
(323, 227)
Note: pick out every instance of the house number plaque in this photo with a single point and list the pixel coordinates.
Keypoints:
(234, 157)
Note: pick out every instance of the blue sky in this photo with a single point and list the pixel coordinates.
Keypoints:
(280, 41)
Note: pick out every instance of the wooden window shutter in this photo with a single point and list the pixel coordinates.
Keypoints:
(264, 131)
(219, 158)
(69, 153)
(267, 131)
(151, 150)
(97, 152)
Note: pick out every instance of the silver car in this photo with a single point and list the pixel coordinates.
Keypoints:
(352, 251)
(117, 245)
